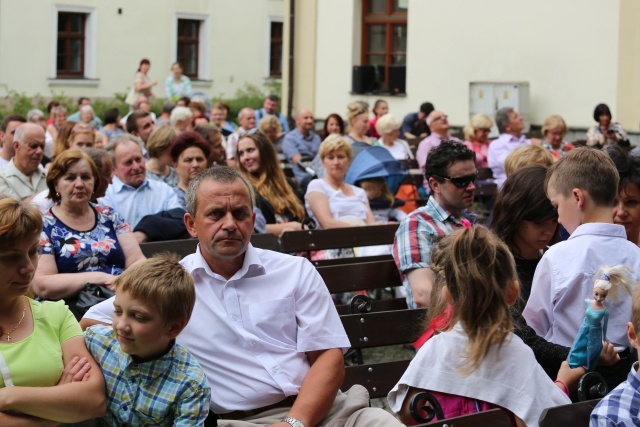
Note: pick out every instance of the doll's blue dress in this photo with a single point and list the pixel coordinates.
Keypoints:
(587, 346)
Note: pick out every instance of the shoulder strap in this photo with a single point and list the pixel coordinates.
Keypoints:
(4, 369)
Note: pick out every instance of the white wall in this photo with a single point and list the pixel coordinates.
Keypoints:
(566, 50)
(146, 28)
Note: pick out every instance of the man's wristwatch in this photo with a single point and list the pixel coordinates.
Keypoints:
(292, 422)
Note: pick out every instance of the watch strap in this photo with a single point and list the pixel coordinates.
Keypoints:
(293, 422)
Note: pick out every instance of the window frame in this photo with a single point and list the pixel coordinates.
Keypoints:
(389, 19)
(66, 37)
(187, 41)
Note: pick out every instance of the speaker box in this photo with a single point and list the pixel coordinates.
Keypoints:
(363, 79)
(397, 78)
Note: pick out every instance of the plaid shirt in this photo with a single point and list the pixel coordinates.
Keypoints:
(621, 407)
(416, 235)
(169, 391)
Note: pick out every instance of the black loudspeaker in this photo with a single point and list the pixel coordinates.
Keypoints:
(363, 79)
(397, 78)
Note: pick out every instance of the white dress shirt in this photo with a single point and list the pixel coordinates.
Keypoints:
(250, 333)
(499, 149)
(565, 276)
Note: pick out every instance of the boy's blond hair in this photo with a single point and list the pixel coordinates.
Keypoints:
(525, 156)
(588, 169)
(163, 282)
(635, 308)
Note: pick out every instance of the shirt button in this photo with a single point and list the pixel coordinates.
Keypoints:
(252, 343)
(274, 371)
(234, 318)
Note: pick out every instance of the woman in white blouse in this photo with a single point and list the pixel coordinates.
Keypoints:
(330, 201)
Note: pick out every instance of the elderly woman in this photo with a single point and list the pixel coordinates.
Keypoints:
(159, 164)
(37, 340)
(81, 242)
(189, 153)
(330, 201)
(180, 119)
(388, 127)
(176, 84)
(553, 130)
(606, 132)
(258, 161)
(87, 115)
(626, 205)
(476, 135)
(74, 135)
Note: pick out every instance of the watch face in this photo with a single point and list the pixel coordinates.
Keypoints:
(293, 422)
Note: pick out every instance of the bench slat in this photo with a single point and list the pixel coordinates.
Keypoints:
(378, 378)
(188, 246)
(575, 414)
(360, 276)
(491, 418)
(313, 240)
(378, 305)
(378, 329)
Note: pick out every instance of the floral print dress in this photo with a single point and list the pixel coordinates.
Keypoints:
(83, 251)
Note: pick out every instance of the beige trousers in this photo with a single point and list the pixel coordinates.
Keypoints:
(350, 409)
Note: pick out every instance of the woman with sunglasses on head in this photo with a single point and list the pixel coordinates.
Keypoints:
(48, 376)
(476, 135)
(358, 121)
(277, 199)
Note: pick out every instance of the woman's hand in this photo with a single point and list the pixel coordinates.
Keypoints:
(106, 280)
(77, 370)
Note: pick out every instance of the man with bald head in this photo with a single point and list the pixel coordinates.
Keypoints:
(439, 124)
(247, 121)
(301, 141)
(23, 176)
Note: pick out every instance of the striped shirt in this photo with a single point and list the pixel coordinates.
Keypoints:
(621, 407)
(169, 391)
(417, 234)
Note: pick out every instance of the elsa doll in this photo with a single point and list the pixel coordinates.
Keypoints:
(588, 344)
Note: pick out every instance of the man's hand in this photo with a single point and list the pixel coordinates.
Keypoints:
(609, 355)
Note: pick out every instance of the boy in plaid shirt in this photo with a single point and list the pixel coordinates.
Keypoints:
(150, 379)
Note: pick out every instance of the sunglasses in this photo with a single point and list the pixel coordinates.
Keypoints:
(461, 181)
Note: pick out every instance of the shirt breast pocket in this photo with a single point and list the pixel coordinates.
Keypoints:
(275, 321)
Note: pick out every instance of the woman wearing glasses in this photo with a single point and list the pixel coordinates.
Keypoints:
(476, 135)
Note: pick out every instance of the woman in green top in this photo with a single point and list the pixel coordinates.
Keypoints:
(38, 340)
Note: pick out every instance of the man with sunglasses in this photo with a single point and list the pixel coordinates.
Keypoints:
(451, 173)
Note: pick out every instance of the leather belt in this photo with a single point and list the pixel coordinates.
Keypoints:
(238, 415)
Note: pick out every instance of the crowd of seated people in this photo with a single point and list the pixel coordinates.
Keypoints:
(560, 214)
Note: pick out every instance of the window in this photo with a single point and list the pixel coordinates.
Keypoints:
(275, 58)
(71, 44)
(189, 46)
(384, 36)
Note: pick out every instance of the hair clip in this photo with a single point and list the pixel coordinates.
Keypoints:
(605, 276)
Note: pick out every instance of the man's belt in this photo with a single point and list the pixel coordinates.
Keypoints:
(238, 415)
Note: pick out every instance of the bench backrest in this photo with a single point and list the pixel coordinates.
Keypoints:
(188, 246)
(360, 276)
(337, 238)
(491, 418)
(575, 414)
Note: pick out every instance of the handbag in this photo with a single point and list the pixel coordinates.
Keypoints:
(89, 296)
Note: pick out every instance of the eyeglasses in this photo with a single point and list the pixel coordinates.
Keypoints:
(435, 119)
(461, 181)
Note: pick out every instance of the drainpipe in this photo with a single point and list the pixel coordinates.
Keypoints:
(292, 6)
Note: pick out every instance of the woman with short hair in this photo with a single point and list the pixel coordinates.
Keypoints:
(476, 135)
(388, 127)
(159, 164)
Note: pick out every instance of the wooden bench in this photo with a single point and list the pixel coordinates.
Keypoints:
(367, 276)
(491, 418)
(575, 414)
(337, 238)
(380, 329)
(188, 246)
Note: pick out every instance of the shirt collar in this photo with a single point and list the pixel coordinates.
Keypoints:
(12, 170)
(119, 185)
(510, 138)
(151, 369)
(306, 138)
(445, 215)
(609, 230)
(251, 265)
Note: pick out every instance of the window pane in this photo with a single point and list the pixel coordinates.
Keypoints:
(377, 39)
(76, 23)
(192, 29)
(400, 5)
(399, 59)
(75, 60)
(191, 66)
(60, 63)
(378, 6)
(62, 22)
(399, 38)
(375, 60)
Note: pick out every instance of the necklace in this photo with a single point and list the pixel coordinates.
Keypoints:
(8, 334)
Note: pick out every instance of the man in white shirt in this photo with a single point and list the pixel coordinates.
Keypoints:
(23, 176)
(510, 125)
(264, 328)
(7, 130)
(247, 121)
